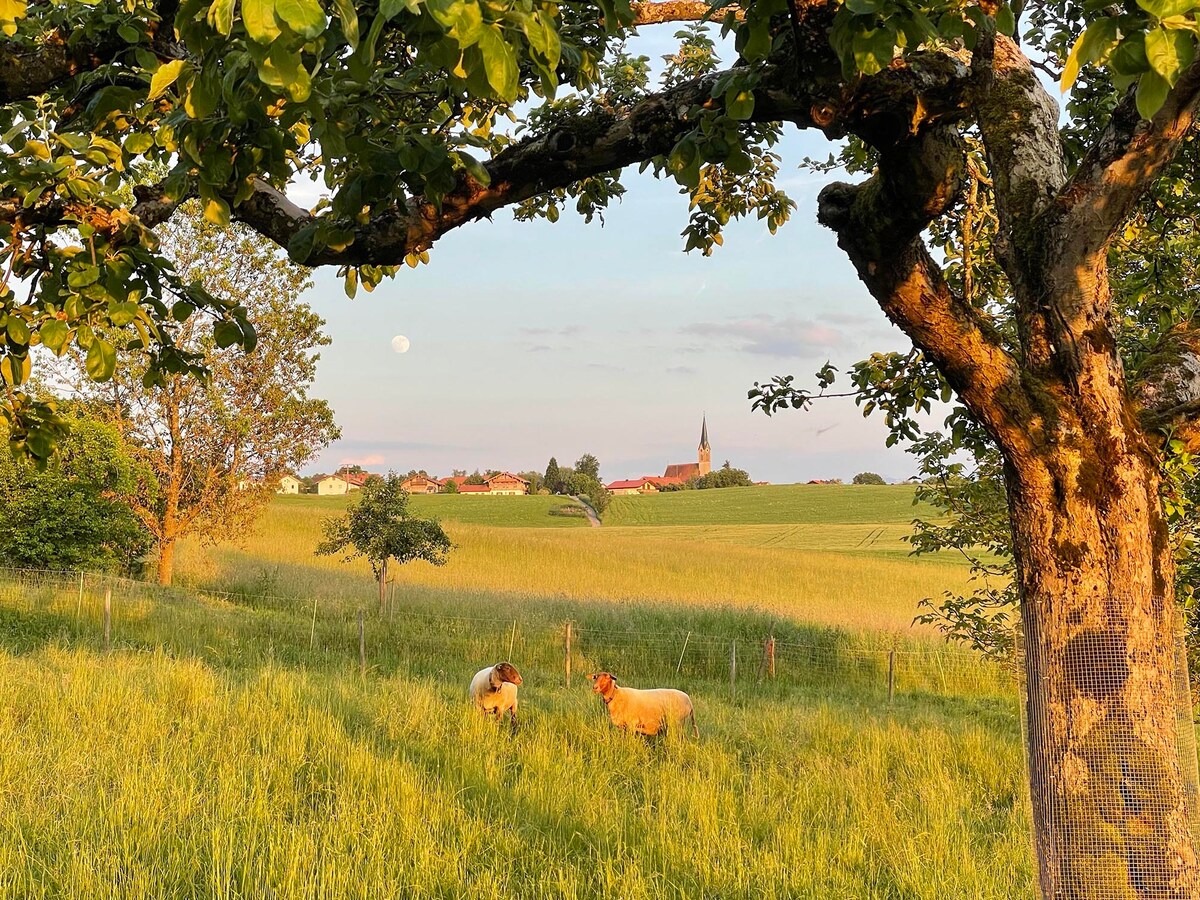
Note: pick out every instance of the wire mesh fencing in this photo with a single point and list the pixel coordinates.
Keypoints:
(241, 628)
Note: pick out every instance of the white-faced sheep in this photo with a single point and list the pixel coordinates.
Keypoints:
(494, 690)
(643, 711)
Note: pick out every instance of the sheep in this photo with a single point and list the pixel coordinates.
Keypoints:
(494, 690)
(643, 711)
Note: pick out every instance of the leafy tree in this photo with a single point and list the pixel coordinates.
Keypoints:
(534, 479)
(579, 484)
(216, 446)
(449, 487)
(553, 479)
(945, 115)
(588, 465)
(867, 478)
(726, 476)
(380, 526)
(74, 513)
(475, 478)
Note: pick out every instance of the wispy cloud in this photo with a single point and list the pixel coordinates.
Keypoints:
(539, 348)
(681, 370)
(771, 336)
(565, 331)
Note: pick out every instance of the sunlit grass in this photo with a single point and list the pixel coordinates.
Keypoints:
(228, 746)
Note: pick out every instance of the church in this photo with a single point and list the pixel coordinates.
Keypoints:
(676, 474)
(702, 466)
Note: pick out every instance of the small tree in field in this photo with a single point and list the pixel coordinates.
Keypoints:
(381, 527)
(868, 478)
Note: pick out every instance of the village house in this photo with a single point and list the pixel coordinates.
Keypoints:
(288, 484)
(634, 486)
(421, 484)
(502, 484)
(341, 483)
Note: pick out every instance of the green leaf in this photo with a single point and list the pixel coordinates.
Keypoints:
(164, 78)
(1169, 52)
(216, 210)
(220, 16)
(389, 9)
(300, 247)
(121, 314)
(873, 50)
(55, 334)
(1006, 22)
(348, 15)
(226, 334)
(1130, 56)
(259, 18)
(305, 17)
(18, 331)
(101, 360)
(182, 310)
(475, 168)
(1151, 94)
(739, 104)
(1096, 41)
(81, 278)
(864, 7)
(15, 368)
(499, 62)
(139, 142)
(1164, 9)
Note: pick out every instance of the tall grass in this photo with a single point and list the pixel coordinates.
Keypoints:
(677, 566)
(150, 772)
(228, 746)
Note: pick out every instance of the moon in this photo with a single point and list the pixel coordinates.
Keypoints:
(400, 343)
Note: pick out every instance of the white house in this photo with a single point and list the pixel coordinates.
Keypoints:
(288, 484)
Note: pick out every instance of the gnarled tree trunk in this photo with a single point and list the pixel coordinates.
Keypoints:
(1111, 805)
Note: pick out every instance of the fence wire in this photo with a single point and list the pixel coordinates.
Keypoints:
(1113, 792)
(322, 631)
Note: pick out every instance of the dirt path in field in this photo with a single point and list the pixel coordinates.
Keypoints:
(593, 519)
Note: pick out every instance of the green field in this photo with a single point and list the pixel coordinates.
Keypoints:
(497, 512)
(772, 504)
(229, 747)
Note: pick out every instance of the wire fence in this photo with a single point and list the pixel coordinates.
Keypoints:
(112, 611)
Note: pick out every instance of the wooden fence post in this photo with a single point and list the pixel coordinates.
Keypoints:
(512, 640)
(79, 605)
(568, 655)
(312, 635)
(733, 669)
(107, 619)
(891, 675)
(362, 645)
(686, 638)
(771, 657)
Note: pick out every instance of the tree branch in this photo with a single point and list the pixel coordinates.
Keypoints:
(896, 103)
(1129, 154)
(30, 69)
(655, 13)
(879, 224)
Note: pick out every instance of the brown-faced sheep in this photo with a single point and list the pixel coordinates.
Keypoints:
(494, 690)
(643, 711)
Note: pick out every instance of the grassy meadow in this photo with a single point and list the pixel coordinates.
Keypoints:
(228, 745)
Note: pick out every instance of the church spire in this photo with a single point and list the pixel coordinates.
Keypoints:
(704, 433)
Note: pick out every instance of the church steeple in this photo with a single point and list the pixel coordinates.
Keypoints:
(705, 456)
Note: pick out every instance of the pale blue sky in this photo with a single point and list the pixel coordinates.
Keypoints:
(530, 340)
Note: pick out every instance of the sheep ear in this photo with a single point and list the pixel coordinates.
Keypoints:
(592, 677)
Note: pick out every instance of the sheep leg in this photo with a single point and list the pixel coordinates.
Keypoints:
(695, 730)
(512, 715)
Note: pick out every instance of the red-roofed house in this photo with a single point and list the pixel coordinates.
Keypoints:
(342, 483)
(507, 484)
(421, 484)
(634, 486)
